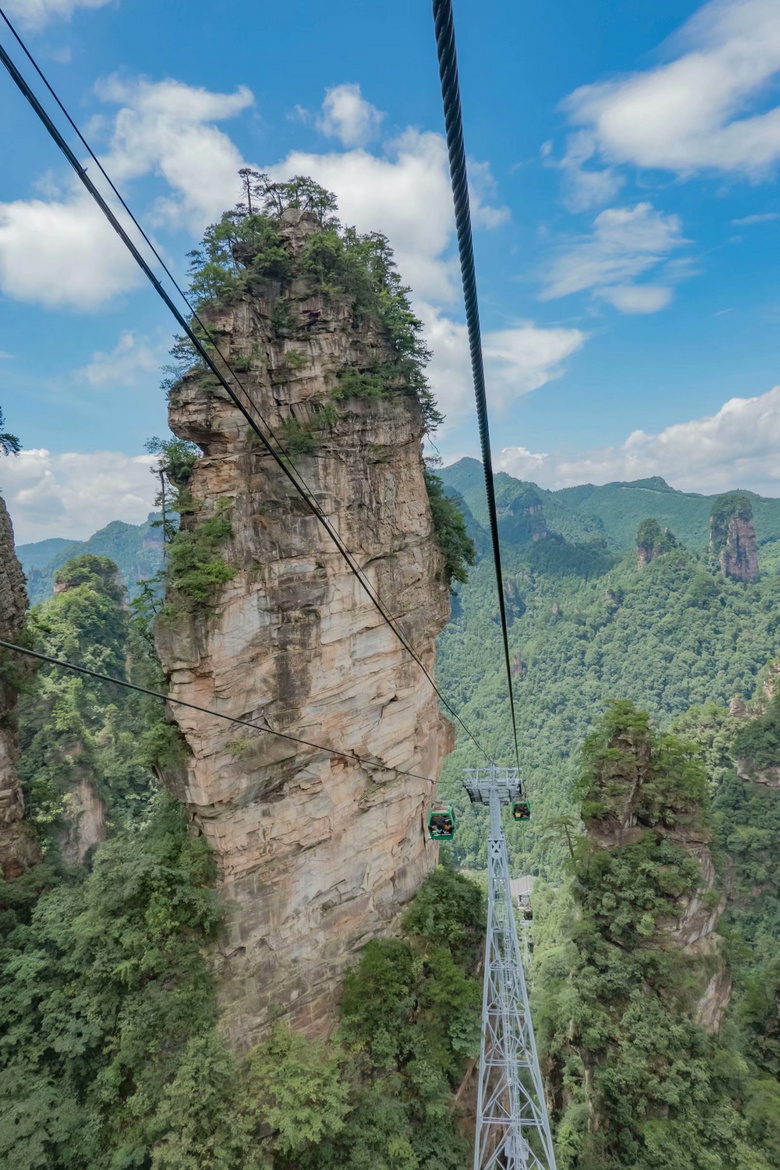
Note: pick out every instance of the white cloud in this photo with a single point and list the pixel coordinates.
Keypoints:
(62, 253)
(625, 243)
(699, 111)
(406, 194)
(35, 14)
(347, 115)
(749, 220)
(585, 188)
(167, 129)
(131, 358)
(517, 361)
(637, 298)
(73, 495)
(739, 446)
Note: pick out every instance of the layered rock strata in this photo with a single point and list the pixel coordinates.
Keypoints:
(316, 851)
(17, 847)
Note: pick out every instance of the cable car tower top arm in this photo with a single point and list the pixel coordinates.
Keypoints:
(513, 1129)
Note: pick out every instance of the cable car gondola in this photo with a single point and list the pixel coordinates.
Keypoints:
(441, 823)
(521, 810)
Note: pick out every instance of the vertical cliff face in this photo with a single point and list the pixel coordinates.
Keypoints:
(17, 849)
(316, 852)
(733, 536)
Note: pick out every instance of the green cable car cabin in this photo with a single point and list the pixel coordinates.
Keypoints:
(441, 823)
(521, 810)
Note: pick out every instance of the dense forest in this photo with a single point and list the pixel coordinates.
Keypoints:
(110, 1055)
(641, 1075)
(589, 625)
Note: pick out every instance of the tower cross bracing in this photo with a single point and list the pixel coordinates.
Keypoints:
(513, 1129)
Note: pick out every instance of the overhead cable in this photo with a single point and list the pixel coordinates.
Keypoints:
(120, 682)
(453, 120)
(277, 456)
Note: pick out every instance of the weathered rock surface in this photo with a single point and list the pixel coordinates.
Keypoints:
(17, 847)
(766, 777)
(85, 817)
(733, 536)
(739, 557)
(316, 852)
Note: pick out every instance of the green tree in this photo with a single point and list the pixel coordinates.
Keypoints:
(449, 524)
(76, 730)
(175, 461)
(300, 1094)
(636, 1082)
(9, 444)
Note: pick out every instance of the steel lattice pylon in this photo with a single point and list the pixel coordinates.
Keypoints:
(513, 1129)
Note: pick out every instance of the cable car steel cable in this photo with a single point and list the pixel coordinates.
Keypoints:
(512, 1122)
(453, 121)
(120, 682)
(57, 137)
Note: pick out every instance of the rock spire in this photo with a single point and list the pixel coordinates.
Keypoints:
(317, 853)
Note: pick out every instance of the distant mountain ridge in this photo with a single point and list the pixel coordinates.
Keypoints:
(613, 511)
(587, 515)
(136, 549)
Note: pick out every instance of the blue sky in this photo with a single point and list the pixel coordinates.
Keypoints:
(624, 167)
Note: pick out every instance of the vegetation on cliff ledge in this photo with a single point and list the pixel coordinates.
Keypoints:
(449, 524)
(247, 249)
(78, 732)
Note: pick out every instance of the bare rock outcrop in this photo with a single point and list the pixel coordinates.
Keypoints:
(17, 846)
(652, 541)
(317, 852)
(733, 536)
(85, 820)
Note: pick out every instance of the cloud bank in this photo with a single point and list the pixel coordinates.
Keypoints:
(698, 112)
(36, 14)
(73, 495)
(625, 243)
(61, 252)
(738, 446)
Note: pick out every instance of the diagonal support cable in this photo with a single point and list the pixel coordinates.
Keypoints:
(248, 408)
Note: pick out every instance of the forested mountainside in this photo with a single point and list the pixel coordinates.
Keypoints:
(613, 511)
(580, 515)
(136, 550)
(637, 950)
(108, 1003)
(110, 1054)
(587, 626)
